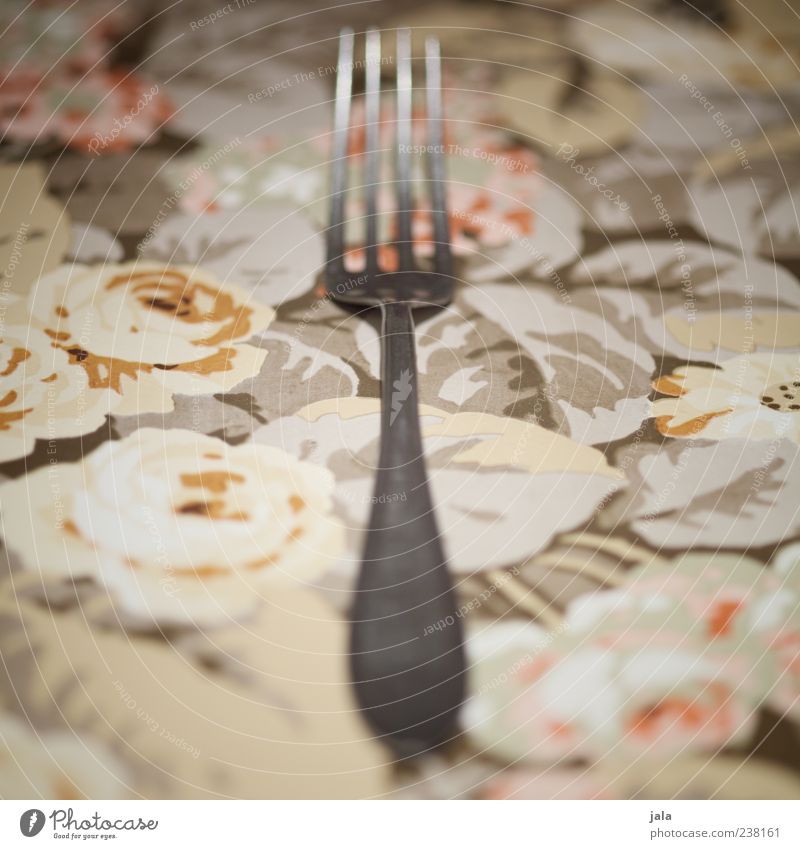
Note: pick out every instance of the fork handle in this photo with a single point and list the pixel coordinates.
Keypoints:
(407, 655)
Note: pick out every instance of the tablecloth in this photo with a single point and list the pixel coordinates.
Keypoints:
(610, 405)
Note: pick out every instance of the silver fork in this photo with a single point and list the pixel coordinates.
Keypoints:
(407, 658)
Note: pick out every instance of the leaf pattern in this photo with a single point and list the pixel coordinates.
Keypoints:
(486, 473)
(610, 405)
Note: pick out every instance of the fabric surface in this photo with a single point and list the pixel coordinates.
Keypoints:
(610, 404)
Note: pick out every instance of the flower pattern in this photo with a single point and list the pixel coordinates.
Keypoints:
(41, 36)
(183, 330)
(755, 397)
(41, 395)
(679, 657)
(104, 111)
(57, 86)
(179, 526)
(189, 424)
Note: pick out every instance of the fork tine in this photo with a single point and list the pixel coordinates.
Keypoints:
(404, 95)
(436, 176)
(371, 168)
(344, 87)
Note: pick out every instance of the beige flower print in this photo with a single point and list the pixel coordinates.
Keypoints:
(179, 526)
(56, 765)
(753, 396)
(41, 395)
(145, 330)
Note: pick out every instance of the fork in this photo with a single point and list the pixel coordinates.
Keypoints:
(406, 646)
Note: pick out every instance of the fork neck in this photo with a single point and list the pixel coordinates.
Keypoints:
(401, 465)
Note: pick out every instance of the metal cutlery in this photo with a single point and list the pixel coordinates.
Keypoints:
(408, 668)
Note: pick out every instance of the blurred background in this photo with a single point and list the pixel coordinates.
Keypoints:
(620, 510)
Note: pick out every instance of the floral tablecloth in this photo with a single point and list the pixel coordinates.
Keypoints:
(611, 404)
